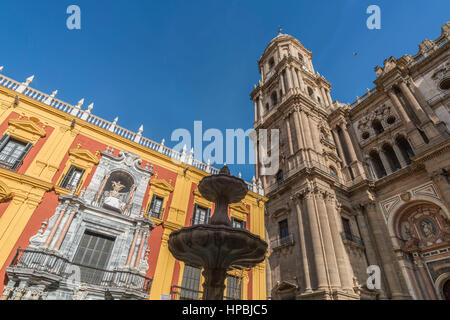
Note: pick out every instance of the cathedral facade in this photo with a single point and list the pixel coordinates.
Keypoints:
(363, 190)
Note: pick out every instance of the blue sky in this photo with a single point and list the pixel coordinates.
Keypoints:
(164, 64)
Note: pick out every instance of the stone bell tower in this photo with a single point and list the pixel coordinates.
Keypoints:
(308, 259)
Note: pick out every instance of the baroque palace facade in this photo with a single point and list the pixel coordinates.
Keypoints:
(359, 185)
(87, 207)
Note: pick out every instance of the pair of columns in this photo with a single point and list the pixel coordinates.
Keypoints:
(64, 229)
(142, 235)
(316, 210)
(347, 141)
(20, 293)
(416, 108)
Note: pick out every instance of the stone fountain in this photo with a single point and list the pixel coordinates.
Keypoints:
(218, 246)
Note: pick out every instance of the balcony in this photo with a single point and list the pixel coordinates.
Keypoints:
(347, 236)
(181, 293)
(9, 163)
(56, 269)
(283, 242)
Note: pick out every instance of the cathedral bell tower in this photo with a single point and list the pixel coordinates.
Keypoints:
(308, 259)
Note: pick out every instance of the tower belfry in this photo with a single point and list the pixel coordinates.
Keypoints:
(294, 99)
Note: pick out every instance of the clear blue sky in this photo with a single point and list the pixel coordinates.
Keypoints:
(164, 64)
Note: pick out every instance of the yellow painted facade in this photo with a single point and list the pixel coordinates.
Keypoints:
(60, 140)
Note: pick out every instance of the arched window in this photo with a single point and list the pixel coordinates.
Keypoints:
(377, 126)
(391, 157)
(279, 177)
(377, 164)
(274, 98)
(266, 109)
(311, 93)
(405, 148)
(300, 57)
(333, 172)
(271, 63)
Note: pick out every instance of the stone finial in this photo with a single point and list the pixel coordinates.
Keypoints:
(51, 97)
(138, 136)
(240, 175)
(1, 68)
(87, 112)
(161, 146)
(80, 103)
(24, 85)
(113, 124)
(225, 170)
(30, 79)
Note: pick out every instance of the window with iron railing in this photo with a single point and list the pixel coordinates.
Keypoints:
(155, 208)
(201, 215)
(233, 288)
(72, 178)
(12, 152)
(236, 223)
(190, 284)
(92, 255)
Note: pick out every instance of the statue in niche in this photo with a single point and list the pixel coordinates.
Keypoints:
(117, 186)
(428, 229)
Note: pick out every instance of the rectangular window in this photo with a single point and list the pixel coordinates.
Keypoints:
(191, 283)
(156, 206)
(236, 223)
(284, 230)
(346, 226)
(92, 256)
(72, 178)
(12, 152)
(233, 288)
(201, 215)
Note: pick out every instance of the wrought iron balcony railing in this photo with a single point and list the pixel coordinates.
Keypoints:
(54, 265)
(9, 163)
(284, 241)
(181, 293)
(351, 237)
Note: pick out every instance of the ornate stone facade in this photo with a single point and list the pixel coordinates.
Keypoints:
(359, 185)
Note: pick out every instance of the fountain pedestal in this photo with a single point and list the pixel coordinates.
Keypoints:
(218, 246)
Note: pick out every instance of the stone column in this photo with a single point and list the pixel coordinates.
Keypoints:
(329, 97)
(294, 76)
(303, 249)
(288, 130)
(324, 96)
(316, 240)
(328, 241)
(426, 279)
(307, 133)
(385, 249)
(256, 110)
(300, 79)
(399, 107)
(133, 245)
(338, 145)
(283, 85)
(385, 162)
(63, 233)
(289, 79)
(420, 98)
(260, 108)
(343, 261)
(141, 247)
(298, 129)
(348, 142)
(399, 154)
(55, 226)
(413, 102)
